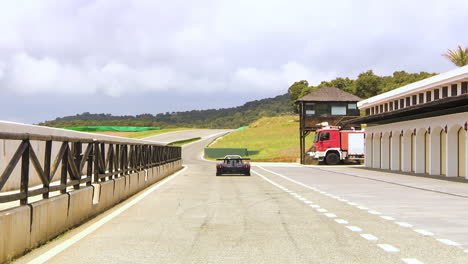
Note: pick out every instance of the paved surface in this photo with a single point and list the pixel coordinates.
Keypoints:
(281, 214)
(184, 134)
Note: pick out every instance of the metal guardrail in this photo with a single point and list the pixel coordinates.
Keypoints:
(79, 160)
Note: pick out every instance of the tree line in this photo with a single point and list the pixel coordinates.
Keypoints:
(233, 117)
(366, 85)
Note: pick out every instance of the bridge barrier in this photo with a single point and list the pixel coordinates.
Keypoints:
(78, 177)
(15, 235)
(80, 206)
(49, 218)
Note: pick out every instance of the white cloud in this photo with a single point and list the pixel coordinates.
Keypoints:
(120, 47)
(277, 80)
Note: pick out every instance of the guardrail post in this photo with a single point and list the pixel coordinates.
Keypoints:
(96, 161)
(47, 162)
(77, 148)
(89, 166)
(64, 171)
(24, 186)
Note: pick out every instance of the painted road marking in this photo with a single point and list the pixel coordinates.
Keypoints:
(354, 228)
(448, 242)
(321, 210)
(363, 208)
(404, 224)
(353, 204)
(423, 232)
(411, 261)
(61, 247)
(374, 212)
(330, 215)
(388, 218)
(302, 198)
(388, 248)
(307, 202)
(341, 221)
(369, 237)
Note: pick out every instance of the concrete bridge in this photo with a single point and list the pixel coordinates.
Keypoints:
(158, 212)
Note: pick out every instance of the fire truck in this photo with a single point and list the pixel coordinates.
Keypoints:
(333, 145)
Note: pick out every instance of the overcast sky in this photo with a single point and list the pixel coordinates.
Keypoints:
(62, 57)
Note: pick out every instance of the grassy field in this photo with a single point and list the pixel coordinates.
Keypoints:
(275, 138)
(142, 134)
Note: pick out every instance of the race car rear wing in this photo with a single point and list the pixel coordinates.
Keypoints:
(235, 159)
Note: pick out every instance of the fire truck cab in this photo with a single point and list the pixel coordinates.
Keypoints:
(334, 146)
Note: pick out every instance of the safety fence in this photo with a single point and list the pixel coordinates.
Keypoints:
(63, 161)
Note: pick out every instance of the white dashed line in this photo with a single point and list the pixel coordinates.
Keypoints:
(388, 248)
(354, 228)
(423, 232)
(369, 237)
(404, 224)
(341, 221)
(330, 215)
(302, 199)
(448, 242)
(411, 261)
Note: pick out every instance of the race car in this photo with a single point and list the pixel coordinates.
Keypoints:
(233, 164)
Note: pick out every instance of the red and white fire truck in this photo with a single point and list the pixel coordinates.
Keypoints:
(333, 145)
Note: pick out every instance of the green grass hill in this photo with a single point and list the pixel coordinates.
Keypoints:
(275, 138)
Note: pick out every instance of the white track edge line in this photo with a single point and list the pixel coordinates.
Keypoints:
(66, 244)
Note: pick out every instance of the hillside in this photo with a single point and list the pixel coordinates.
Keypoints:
(272, 138)
(233, 117)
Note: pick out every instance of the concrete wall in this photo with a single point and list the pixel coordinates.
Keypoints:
(438, 145)
(25, 227)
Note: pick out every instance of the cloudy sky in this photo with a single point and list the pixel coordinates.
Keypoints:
(62, 57)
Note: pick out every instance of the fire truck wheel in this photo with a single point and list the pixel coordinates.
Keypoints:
(332, 159)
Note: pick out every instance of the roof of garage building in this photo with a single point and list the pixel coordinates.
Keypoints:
(449, 105)
(329, 94)
(440, 79)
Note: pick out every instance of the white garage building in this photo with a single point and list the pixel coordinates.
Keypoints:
(420, 127)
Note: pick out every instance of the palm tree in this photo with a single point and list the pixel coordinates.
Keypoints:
(458, 56)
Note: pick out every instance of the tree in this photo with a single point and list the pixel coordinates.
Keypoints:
(368, 84)
(295, 91)
(458, 56)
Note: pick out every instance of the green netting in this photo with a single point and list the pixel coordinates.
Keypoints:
(221, 152)
(242, 127)
(111, 128)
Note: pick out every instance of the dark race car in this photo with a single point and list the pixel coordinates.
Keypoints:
(233, 164)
